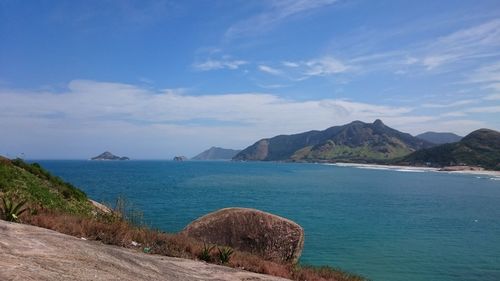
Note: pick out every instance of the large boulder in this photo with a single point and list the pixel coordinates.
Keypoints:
(264, 234)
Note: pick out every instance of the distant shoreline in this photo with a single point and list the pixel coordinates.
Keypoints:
(415, 169)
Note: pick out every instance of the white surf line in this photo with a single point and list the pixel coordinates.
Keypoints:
(385, 167)
(493, 175)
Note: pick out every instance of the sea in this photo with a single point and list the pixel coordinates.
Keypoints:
(383, 224)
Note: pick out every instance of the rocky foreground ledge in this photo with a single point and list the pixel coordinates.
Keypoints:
(33, 253)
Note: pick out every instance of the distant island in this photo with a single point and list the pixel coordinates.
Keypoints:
(180, 158)
(216, 153)
(109, 156)
(439, 138)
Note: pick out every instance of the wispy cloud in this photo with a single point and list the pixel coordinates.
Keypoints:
(492, 97)
(213, 64)
(273, 86)
(451, 104)
(302, 70)
(290, 64)
(270, 70)
(90, 100)
(484, 109)
(482, 40)
(276, 12)
(487, 77)
(324, 66)
(463, 46)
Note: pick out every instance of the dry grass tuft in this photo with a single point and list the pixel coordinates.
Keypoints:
(114, 230)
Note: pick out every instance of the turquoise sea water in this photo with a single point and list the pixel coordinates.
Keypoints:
(385, 225)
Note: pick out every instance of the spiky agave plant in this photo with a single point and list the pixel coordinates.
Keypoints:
(205, 252)
(11, 210)
(225, 254)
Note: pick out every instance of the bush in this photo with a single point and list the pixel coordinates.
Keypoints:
(225, 254)
(11, 210)
(205, 254)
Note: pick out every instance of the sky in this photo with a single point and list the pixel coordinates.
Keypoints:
(155, 79)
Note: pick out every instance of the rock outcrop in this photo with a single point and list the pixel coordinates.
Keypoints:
(109, 156)
(33, 253)
(264, 234)
(180, 158)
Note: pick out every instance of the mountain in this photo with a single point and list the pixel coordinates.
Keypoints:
(216, 153)
(479, 148)
(109, 156)
(439, 138)
(354, 142)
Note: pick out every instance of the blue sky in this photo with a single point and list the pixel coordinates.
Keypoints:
(154, 79)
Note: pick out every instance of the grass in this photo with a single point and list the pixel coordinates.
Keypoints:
(57, 205)
(33, 184)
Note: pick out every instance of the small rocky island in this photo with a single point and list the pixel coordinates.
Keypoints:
(109, 156)
(180, 158)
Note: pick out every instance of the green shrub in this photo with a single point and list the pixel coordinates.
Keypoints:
(225, 254)
(205, 253)
(11, 210)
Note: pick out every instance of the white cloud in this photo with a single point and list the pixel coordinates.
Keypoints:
(434, 61)
(302, 70)
(461, 47)
(276, 12)
(148, 123)
(484, 109)
(212, 64)
(482, 40)
(290, 64)
(451, 104)
(492, 97)
(324, 66)
(273, 86)
(454, 114)
(270, 70)
(486, 74)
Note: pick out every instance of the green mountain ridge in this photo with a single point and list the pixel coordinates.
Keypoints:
(353, 142)
(479, 148)
(216, 153)
(439, 137)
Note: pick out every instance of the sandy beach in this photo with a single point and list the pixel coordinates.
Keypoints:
(494, 174)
